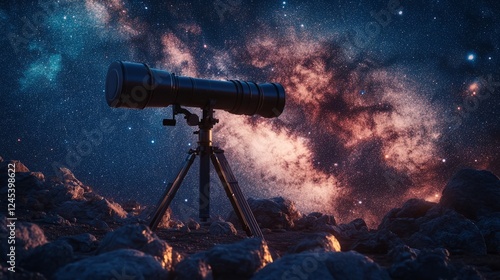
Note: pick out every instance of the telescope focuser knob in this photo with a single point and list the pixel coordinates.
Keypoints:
(192, 119)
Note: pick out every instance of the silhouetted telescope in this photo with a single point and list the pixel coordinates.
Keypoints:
(136, 85)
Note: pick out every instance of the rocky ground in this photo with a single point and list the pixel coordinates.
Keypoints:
(66, 231)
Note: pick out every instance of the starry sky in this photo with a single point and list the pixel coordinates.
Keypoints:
(385, 99)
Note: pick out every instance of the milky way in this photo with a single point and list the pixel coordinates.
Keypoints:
(365, 127)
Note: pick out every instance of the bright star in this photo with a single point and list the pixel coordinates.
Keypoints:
(471, 57)
(152, 141)
(400, 12)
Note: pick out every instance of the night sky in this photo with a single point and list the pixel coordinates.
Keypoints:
(385, 99)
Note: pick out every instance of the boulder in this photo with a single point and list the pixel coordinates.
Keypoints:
(239, 260)
(87, 211)
(315, 221)
(430, 264)
(222, 228)
(376, 242)
(61, 193)
(273, 213)
(83, 243)
(7, 164)
(404, 221)
(193, 268)
(28, 237)
(140, 237)
(193, 225)
(334, 265)
(52, 218)
(490, 229)
(25, 182)
(451, 231)
(319, 242)
(472, 193)
(350, 233)
(227, 261)
(48, 258)
(119, 264)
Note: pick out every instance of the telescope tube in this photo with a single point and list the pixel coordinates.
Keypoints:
(136, 85)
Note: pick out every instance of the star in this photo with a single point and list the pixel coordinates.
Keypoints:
(471, 57)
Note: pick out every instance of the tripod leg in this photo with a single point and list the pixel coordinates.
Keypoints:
(233, 191)
(170, 192)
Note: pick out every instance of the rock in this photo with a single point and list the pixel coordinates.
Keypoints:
(319, 242)
(193, 268)
(403, 221)
(451, 231)
(147, 213)
(84, 242)
(239, 260)
(25, 182)
(193, 225)
(48, 258)
(119, 264)
(15, 164)
(222, 228)
(315, 221)
(139, 237)
(28, 237)
(273, 213)
(334, 265)
(378, 242)
(350, 233)
(132, 207)
(99, 224)
(431, 264)
(87, 211)
(61, 193)
(67, 177)
(227, 261)
(55, 219)
(490, 229)
(185, 229)
(403, 253)
(472, 193)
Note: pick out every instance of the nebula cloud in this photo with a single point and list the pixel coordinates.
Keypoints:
(356, 137)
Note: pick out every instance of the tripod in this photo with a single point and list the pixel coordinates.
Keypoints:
(207, 152)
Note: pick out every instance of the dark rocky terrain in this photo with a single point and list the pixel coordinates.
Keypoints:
(66, 231)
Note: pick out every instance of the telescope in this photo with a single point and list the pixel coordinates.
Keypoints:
(137, 86)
